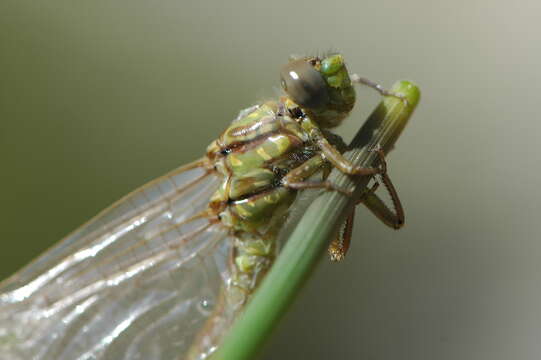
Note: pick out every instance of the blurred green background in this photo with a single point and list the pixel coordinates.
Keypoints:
(98, 97)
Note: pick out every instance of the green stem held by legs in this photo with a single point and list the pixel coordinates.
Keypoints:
(320, 222)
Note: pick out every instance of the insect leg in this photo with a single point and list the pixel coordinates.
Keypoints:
(335, 157)
(340, 244)
(296, 178)
(364, 81)
(393, 218)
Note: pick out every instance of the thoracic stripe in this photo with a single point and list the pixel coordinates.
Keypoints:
(263, 146)
(250, 131)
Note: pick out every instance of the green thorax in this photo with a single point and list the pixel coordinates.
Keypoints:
(259, 147)
(267, 141)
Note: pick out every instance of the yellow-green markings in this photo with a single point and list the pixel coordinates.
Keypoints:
(265, 143)
(267, 154)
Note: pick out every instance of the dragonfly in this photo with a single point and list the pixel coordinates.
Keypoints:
(163, 272)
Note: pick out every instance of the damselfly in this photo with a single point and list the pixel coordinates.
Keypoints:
(163, 272)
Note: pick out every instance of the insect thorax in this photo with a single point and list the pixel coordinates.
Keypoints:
(252, 155)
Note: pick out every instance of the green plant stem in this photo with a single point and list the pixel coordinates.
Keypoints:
(317, 226)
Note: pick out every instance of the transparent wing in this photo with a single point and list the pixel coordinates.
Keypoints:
(136, 282)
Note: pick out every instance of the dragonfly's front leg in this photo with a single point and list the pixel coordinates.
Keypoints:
(383, 92)
(334, 156)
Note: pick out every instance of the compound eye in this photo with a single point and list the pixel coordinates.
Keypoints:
(304, 84)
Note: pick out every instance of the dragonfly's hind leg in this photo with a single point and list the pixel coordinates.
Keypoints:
(391, 217)
(296, 179)
(394, 217)
(340, 244)
(331, 152)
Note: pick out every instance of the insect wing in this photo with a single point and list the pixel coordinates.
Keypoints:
(136, 282)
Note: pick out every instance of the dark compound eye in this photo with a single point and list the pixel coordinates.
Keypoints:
(304, 84)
